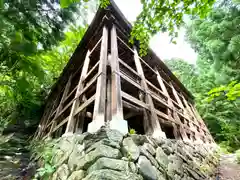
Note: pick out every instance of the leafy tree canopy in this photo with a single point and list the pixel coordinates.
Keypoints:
(161, 15)
(214, 80)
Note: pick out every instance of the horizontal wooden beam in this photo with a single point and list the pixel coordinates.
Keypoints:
(131, 81)
(134, 100)
(129, 68)
(132, 107)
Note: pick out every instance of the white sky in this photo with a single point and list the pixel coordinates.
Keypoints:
(160, 43)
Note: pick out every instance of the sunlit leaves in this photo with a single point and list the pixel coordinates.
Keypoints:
(165, 16)
(231, 91)
(67, 3)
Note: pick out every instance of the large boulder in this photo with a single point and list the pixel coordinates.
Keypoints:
(87, 160)
(62, 173)
(175, 165)
(130, 149)
(162, 158)
(149, 148)
(75, 156)
(106, 142)
(107, 174)
(146, 169)
(103, 133)
(149, 156)
(107, 163)
(77, 175)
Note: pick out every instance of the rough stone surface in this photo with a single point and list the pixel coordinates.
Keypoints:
(108, 155)
(130, 149)
(133, 167)
(62, 173)
(77, 175)
(145, 153)
(107, 142)
(60, 158)
(101, 151)
(107, 174)
(107, 163)
(146, 169)
(149, 148)
(76, 154)
(162, 158)
(175, 165)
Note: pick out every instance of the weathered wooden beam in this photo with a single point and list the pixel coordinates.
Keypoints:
(155, 125)
(72, 120)
(91, 70)
(100, 101)
(177, 97)
(172, 113)
(117, 110)
(134, 100)
(117, 122)
(129, 68)
(60, 106)
(132, 107)
(125, 77)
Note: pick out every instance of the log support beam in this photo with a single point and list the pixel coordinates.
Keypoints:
(100, 100)
(155, 128)
(117, 122)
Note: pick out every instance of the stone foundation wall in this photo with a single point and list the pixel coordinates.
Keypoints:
(108, 155)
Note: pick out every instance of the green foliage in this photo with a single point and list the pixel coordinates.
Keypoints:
(132, 131)
(161, 15)
(33, 50)
(214, 80)
(230, 91)
(43, 150)
(165, 16)
(67, 3)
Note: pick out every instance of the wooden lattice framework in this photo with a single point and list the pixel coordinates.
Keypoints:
(106, 83)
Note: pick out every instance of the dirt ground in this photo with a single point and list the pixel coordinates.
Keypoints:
(229, 169)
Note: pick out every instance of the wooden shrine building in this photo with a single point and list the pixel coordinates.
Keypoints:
(106, 83)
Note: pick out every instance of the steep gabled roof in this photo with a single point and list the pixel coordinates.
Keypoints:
(78, 55)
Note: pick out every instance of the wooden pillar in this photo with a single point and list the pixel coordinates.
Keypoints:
(72, 120)
(100, 101)
(81, 117)
(117, 121)
(155, 130)
(181, 129)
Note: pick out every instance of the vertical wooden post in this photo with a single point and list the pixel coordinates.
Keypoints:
(100, 101)
(72, 120)
(117, 121)
(155, 124)
(80, 117)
